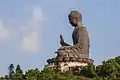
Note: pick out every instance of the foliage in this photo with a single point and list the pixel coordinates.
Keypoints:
(11, 72)
(89, 71)
(18, 75)
(108, 70)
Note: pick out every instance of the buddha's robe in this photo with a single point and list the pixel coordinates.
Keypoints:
(80, 49)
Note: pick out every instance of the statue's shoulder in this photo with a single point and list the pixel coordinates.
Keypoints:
(83, 27)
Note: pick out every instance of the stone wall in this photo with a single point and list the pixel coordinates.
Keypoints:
(64, 66)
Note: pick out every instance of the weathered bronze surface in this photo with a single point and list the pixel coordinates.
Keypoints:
(80, 37)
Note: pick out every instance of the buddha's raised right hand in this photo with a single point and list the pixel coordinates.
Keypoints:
(61, 38)
(62, 41)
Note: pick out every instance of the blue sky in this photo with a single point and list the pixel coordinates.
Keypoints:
(30, 29)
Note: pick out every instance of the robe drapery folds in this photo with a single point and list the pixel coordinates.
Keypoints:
(80, 49)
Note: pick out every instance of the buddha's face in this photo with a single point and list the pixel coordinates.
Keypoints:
(75, 18)
(73, 21)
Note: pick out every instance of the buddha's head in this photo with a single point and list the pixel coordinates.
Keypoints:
(75, 18)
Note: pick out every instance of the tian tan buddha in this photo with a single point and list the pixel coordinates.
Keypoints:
(80, 47)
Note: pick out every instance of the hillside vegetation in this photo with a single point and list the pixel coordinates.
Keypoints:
(107, 70)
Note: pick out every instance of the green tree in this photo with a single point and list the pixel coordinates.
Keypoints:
(109, 69)
(117, 59)
(11, 71)
(89, 71)
(6, 77)
(18, 75)
(51, 74)
(19, 70)
(2, 78)
(32, 74)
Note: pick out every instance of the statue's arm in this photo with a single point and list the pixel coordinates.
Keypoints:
(82, 36)
(62, 41)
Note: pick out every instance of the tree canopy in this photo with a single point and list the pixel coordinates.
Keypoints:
(107, 70)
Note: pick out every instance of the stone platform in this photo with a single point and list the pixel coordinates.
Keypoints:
(65, 64)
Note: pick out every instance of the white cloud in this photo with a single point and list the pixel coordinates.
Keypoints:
(4, 32)
(30, 40)
(37, 14)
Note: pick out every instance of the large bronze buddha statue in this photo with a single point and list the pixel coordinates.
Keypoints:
(80, 37)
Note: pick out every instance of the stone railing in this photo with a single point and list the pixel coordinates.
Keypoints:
(71, 59)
